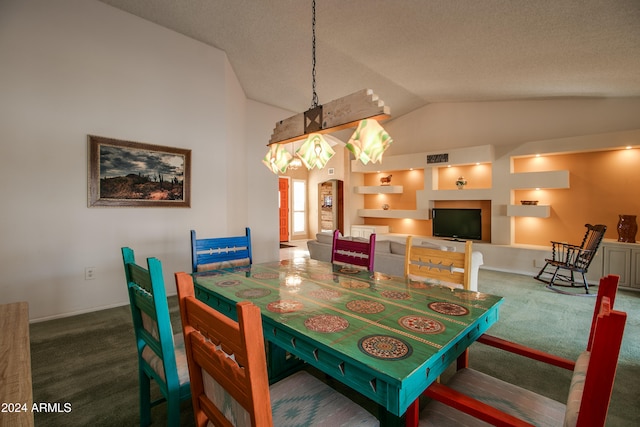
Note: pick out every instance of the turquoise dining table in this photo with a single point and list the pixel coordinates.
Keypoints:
(388, 338)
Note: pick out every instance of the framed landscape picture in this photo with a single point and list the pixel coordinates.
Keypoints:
(125, 173)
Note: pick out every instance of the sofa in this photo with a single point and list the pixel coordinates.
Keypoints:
(389, 255)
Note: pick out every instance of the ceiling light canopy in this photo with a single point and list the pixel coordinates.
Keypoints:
(361, 109)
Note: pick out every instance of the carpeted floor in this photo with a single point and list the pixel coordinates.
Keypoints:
(89, 360)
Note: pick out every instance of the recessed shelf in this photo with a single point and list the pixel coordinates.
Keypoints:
(539, 211)
(546, 179)
(394, 213)
(379, 189)
(479, 194)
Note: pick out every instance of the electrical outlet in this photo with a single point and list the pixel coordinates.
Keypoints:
(89, 273)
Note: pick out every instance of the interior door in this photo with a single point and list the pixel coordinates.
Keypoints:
(283, 190)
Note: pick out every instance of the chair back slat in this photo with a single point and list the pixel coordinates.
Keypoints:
(353, 252)
(218, 252)
(590, 243)
(603, 363)
(443, 266)
(607, 288)
(225, 356)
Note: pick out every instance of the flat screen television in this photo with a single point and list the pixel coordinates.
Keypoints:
(457, 223)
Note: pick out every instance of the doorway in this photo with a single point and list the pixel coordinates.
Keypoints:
(283, 204)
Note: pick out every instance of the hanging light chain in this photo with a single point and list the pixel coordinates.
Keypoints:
(314, 98)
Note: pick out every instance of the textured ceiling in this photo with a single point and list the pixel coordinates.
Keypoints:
(416, 52)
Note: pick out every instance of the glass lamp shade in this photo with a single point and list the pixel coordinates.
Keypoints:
(277, 158)
(315, 151)
(369, 141)
(295, 164)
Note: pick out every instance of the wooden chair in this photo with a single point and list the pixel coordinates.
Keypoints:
(485, 398)
(353, 252)
(161, 355)
(573, 259)
(440, 267)
(229, 382)
(220, 252)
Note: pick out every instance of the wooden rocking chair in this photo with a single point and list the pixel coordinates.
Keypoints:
(573, 259)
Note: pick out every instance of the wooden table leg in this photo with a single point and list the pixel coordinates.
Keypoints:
(413, 414)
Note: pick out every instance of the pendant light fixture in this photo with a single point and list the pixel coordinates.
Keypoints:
(361, 109)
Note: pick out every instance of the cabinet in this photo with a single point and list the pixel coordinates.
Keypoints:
(622, 259)
(365, 231)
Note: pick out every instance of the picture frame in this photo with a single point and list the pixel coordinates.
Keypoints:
(127, 173)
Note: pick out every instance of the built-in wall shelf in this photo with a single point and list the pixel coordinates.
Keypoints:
(379, 189)
(538, 211)
(394, 213)
(478, 194)
(546, 179)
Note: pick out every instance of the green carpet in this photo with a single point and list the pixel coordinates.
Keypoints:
(90, 362)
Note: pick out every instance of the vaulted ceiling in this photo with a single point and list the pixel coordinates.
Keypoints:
(415, 52)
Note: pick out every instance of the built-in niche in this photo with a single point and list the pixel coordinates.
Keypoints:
(330, 206)
(483, 205)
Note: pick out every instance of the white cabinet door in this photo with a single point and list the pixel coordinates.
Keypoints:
(617, 260)
(635, 269)
(357, 231)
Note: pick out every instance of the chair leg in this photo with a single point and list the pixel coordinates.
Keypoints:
(586, 285)
(541, 272)
(173, 409)
(553, 278)
(145, 399)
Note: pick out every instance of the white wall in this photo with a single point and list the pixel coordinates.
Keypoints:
(509, 123)
(511, 128)
(72, 68)
(263, 202)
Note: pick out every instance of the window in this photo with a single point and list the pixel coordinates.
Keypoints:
(299, 206)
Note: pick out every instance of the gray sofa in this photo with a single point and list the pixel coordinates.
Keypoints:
(389, 257)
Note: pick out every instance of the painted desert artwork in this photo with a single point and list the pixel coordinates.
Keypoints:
(131, 173)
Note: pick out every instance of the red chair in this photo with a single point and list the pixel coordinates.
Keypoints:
(352, 251)
(471, 396)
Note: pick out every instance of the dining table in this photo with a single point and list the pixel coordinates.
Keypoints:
(388, 338)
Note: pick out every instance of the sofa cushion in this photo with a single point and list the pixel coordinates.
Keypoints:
(383, 246)
(398, 248)
(325, 238)
(426, 244)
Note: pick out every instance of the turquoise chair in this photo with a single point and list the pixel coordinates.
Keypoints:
(161, 354)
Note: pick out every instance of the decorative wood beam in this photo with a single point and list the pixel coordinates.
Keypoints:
(342, 113)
